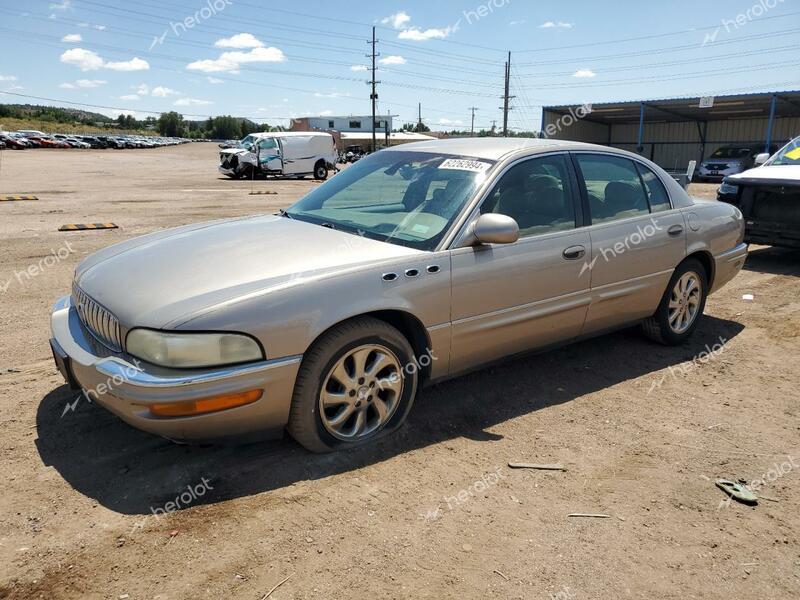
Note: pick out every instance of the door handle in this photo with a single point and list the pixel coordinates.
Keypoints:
(574, 252)
(675, 230)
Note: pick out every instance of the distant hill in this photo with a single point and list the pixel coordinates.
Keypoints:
(52, 113)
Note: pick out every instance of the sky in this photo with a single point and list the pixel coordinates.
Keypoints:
(275, 61)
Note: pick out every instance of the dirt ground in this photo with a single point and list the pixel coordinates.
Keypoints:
(433, 512)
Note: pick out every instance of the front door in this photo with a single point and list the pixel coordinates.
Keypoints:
(509, 298)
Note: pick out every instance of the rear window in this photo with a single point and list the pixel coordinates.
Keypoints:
(613, 186)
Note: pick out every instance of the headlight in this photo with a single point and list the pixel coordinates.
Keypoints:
(192, 350)
(728, 189)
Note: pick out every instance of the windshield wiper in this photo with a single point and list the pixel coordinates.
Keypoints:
(283, 213)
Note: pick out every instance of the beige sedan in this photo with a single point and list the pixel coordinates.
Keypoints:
(417, 263)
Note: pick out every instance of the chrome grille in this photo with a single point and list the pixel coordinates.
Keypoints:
(103, 326)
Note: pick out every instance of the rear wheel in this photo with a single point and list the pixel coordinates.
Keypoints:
(681, 306)
(320, 170)
(356, 383)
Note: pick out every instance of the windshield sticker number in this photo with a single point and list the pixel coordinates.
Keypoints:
(460, 164)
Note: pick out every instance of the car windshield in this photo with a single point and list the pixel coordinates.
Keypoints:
(732, 152)
(405, 198)
(789, 155)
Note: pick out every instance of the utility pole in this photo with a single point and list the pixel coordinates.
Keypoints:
(507, 97)
(419, 117)
(374, 95)
(472, 128)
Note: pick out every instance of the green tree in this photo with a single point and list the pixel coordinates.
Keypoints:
(171, 124)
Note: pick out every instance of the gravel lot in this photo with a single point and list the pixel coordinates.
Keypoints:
(433, 512)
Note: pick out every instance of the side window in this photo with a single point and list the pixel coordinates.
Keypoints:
(656, 192)
(614, 188)
(537, 194)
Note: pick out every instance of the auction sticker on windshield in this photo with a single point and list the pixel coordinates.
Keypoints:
(461, 164)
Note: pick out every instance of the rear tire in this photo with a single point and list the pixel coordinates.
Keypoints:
(320, 170)
(681, 306)
(355, 385)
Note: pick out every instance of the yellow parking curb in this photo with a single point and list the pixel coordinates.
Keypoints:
(85, 226)
(17, 198)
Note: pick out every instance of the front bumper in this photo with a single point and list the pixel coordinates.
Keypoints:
(727, 265)
(126, 386)
(228, 172)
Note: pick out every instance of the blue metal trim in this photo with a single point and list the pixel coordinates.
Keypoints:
(772, 108)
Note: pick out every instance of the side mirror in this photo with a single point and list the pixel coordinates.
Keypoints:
(762, 158)
(492, 228)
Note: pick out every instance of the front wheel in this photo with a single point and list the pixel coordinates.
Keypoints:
(320, 170)
(681, 306)
(356, 382)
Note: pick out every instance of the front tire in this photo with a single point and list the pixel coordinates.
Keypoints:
(356, 383)
(681, 306)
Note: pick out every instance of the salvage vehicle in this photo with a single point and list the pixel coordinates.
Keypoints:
(418, 263)
(769, 198)
(729, 160)
(285, 153)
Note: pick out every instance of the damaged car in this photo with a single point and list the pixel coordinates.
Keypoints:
(285, 153)
(769, 198)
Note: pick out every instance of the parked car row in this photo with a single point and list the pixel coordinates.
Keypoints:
(730, 160)
(20, 140)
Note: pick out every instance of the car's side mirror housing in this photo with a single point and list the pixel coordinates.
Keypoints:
(762, 158)
(492, 228)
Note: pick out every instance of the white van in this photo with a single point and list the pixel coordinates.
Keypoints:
(280, 153)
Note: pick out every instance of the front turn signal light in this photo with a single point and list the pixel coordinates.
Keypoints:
(202, 406)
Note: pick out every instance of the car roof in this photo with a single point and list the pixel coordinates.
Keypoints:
(493, 148)
(261, 134)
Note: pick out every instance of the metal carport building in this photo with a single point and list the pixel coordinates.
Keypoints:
(672, 132)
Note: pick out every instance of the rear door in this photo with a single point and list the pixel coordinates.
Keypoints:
(637, 238)
(508, 298)
(298, 155)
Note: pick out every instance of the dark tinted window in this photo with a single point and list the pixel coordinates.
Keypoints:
(614, 188)
(537, 194)
(656, 192)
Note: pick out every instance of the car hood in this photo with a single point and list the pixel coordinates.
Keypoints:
(166, 278)
(782, 174)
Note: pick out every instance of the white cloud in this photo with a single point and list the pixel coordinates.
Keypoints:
(192, 102)
(555, 25)
(83, 83)
(100, 27)
(328, 95)
(450, 122)
(359, 68)
(86, 60)
(7, 78)
(230, 62)
(418, 35)
(240, 40)
(214, 80)
(515, 23)
(398, 20)
(63, 5)
(72, 38)
(392, 59)
(584, 73)
(134, 64)
(326, 113)
(129, 97)
(15, 88)
(163, 92)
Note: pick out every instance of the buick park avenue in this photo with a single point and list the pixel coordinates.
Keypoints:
(417, 263)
